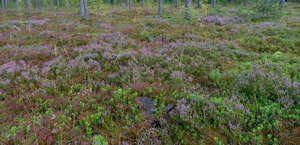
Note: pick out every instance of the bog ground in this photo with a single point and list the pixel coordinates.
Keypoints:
(219, 76)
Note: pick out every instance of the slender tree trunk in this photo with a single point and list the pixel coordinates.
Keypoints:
(29, 6)
(187, 9)
(39, 4)
(245, 3)
(24, 5)
(159, 7)
(86, 13)
(267, 1)
(17, 5)
(213, 3)
(143, 3)
(230, 1)
(281, 2)
(52, 4)
(2, 3)
(176, 3)
(67, 4)
(130, 5)
(81, 7)
(126, 4)
(58, 4)
(199, 4)
(6, 4)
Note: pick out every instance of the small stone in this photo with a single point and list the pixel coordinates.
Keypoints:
(148, 106)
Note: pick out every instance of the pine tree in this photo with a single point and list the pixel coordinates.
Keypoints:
(159, 7)
(199, 4)
(187, 9)
(213, 3)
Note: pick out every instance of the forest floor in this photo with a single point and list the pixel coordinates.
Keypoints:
(135, 78)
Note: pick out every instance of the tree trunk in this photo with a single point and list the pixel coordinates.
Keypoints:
(199, 4)
(187, 9)
(67, 4)
(126, 4)
(2, 3)
(281, 2)
(39, 4)
(245, 3)
(17, 5)
(267, 1)
(176, 3)
(58, 4)
(81, 8)
(159, 7)
(52, 4)
(213, 3)
(143, 3)
(130, 5)
(6, 4)
(86, 13)
(24, 5)
(29, 6)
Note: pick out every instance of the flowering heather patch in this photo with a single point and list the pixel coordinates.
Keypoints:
(221, 20)
(106, 26)
(33, 22)
(161, 20)
(267, 25)
(259, 83)
(115, 40)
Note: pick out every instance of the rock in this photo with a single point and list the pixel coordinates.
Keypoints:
(148, 106)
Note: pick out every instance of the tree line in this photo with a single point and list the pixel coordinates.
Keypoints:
(83, 5)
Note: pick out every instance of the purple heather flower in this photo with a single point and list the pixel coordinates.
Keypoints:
(4, 82)
(46, 69)
(26, 75)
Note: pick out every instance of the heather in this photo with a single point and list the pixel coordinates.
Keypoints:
(229, 75)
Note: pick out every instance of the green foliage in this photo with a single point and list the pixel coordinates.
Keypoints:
(263, 9)
(99, 140)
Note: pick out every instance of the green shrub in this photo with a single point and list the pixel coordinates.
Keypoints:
(99, 140)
